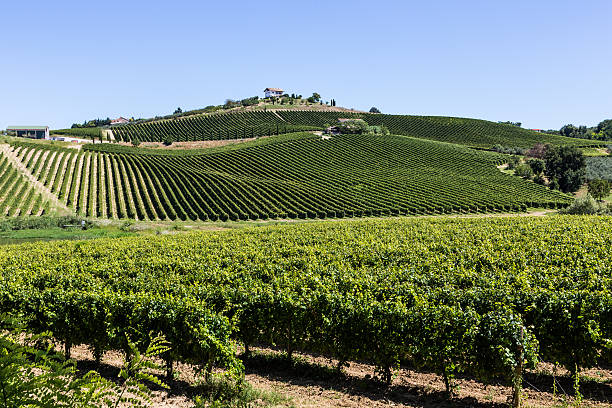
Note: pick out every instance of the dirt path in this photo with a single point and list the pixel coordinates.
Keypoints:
(107, 134)
(111, 211)
(277, 115)
(5, 149)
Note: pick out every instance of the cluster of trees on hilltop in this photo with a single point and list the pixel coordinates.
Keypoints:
(92, 123)
(603, 131)
(517, 124)
(230, 103)
(295, 99)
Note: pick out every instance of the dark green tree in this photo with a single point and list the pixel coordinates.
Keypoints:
(604, 129)
(537, 166)
(599, 189)
(374, 109)
(567, 165)
(574, 131)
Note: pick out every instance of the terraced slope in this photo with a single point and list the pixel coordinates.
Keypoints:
(295, 176)
(218, 126)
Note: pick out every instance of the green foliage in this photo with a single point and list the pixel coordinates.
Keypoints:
(517, 124)
(486, 297)
(537, 166)
(314, 98)
(353, 126)
(33, 374)
(586, 205)
(524, 171)
(136, 371)
(470, 132)
(514, 162)
(567, 165)
(17, 196)
(573, 131)
(374, 109)
(599, 168)
(217, 126)
(94, 133)
(286, 176)
(599, 189)
(168, 140)
(250, 101)
(508, 150)
(604, 128)
(42, 222)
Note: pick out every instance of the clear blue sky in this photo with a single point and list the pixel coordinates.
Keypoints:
(542, 62)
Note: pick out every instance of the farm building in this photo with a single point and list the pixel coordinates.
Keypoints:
(33, 132)
(272, 92)
(119, 121)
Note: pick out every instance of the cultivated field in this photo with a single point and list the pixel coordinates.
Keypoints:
(464, 299)
(298, 175)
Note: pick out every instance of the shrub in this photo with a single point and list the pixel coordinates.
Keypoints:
(539, 180)
(537, 165)
(599, 188)
(353, 126)
(513, 162)
(168, 140)
(584, 205)
(524, 171)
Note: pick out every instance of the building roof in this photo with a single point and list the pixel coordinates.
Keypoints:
(119, 118)
(27, 128)
(273, 90)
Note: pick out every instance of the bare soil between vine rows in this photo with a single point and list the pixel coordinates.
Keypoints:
(310, 381)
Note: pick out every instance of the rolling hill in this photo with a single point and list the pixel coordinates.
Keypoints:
(298, 175)
(235, 125)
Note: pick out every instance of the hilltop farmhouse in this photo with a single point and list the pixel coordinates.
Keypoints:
(119, 121)
(273, 92)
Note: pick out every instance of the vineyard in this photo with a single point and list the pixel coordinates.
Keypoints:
(216, 126)
(488, 297)
(470, 132)
(17, 196)
(288, 176)
(94, 133)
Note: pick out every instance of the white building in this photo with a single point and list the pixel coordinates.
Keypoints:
(273, 92)
(120, 120)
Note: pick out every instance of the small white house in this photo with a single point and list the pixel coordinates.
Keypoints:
(273, 92)
(119, 121)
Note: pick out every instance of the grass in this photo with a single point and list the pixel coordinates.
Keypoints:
(57, 233)
(9, 139)
(594, 152)
(221, 393)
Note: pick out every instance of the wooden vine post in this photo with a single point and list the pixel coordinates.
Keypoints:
(517, 381)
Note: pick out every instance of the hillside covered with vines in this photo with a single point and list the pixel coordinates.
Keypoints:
(297, 175)
(236, 125)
